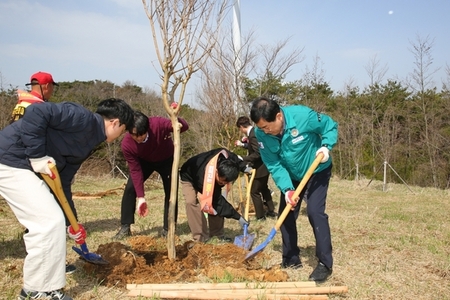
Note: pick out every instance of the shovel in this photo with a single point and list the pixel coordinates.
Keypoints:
(246, 240)
(287, 209)
(55, 185)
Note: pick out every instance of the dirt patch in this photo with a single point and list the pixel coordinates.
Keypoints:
(146, 261)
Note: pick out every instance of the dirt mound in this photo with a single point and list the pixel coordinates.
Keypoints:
(146, 261)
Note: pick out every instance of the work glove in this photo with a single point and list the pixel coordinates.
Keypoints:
(174, 105)
(248, 169)
(239, 144)
(288, 197)
(40, 165)
(326, 154)
(79, 236)
(243, 222)
(142, 209)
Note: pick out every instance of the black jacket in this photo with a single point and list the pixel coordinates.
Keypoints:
(193, 171)
(254, 157)
(66, 131)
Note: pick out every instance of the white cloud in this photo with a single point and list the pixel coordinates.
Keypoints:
(72, 37)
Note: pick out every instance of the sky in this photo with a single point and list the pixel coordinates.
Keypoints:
(111, 39)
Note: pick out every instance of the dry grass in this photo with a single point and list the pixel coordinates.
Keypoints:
(387, 245)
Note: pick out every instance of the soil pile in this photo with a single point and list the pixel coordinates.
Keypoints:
(146, 261)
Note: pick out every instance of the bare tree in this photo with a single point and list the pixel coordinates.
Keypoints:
(274, 62)
(375, 71)
(184, 33)
(376, 74)
(422, 79)
(220, 94)
(315, 91)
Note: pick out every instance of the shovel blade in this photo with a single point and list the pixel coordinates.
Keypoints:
(89, 257)
(261, 246)
(244, 241)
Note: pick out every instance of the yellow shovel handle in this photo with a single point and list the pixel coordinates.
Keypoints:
(56, 186)
(299, 189)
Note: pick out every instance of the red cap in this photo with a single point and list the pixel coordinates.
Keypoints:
(42, 78)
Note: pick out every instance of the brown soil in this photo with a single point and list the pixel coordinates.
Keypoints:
(146, 261)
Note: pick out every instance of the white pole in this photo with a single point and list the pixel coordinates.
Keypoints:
(384, 176)
(237, 49)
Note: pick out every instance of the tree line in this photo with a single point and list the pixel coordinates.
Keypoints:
(401, 122)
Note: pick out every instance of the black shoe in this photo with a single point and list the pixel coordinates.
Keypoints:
(54, 295)
(124, 232)
(70, 269)
(293, 262)
(164, 233)
(271, 214)
(320, 273)
(263, 218)
(224, 239)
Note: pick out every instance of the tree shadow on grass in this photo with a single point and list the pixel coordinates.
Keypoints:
(102, 225)
(14, 248)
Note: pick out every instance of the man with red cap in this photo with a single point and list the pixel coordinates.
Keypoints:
(42, 86)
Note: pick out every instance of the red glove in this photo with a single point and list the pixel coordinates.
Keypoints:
(79, 236)
(174, 105)
(288, 197)
(142, 209)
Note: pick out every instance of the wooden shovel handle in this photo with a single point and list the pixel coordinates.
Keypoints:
(299, 189)
(249, 187)
(56, 186)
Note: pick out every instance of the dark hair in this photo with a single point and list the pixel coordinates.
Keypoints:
(113, 108)
(264, 108)
(140, 123)
(243, 121)
(228, 169)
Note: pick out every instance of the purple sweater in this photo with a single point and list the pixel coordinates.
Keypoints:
(158, 147)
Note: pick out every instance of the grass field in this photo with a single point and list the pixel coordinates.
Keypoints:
(386, 245)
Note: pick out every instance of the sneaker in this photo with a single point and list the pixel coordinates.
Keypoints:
(54, 295)
(271, 214)
(293, 262)
(124, 232)
(70, 269)
(320, 273)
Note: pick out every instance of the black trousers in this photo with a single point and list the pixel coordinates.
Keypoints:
(260, 188)
(128, 207)
(315, 194)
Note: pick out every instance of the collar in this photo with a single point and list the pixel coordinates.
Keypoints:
(34, 93)
(249, 129)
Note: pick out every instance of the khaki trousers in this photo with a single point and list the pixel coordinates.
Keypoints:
(196, 218)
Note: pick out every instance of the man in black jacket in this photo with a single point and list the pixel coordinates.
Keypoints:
(204, 175)
(259, 187)
(64, 134)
